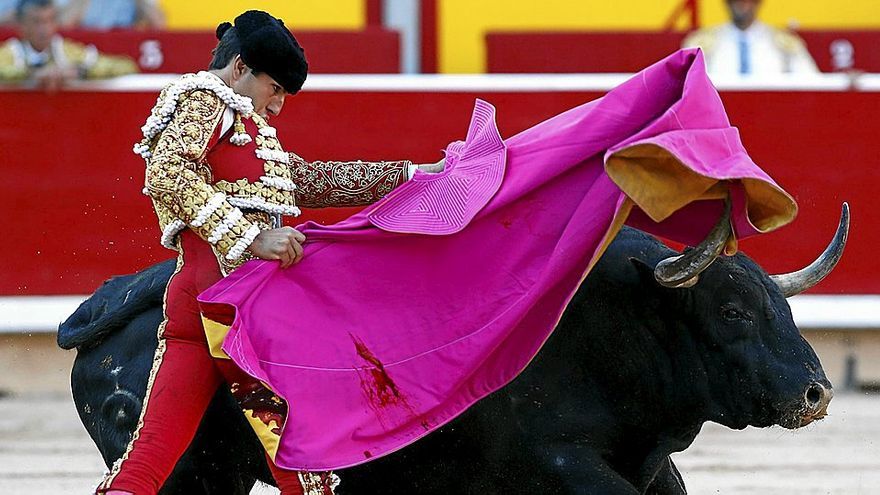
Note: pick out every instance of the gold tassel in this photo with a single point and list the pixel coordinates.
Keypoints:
(241, 137)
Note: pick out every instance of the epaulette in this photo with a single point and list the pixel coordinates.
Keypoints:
(171, 95)
(787, 41)
(706, 38)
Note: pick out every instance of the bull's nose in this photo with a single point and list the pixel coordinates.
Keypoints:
(816, 398)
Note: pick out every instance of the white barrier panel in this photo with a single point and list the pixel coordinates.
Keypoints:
(25, 314)
(41, 314)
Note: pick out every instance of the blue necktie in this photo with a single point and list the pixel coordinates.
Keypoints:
(745, 60)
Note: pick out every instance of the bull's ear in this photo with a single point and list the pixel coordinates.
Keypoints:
(653, 297)
(646, 273)
(648, 279)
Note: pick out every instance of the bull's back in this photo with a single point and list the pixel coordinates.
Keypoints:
(114, 305)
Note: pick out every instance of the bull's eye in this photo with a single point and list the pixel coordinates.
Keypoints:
(732, 314)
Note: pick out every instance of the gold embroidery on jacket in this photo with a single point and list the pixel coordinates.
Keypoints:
(177, 176)
(260, 219)
(326, 184)
(179, 180)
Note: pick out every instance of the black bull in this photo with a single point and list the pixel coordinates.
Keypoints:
(629, 376)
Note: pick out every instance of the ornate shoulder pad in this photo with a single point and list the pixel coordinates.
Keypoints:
(204, 83)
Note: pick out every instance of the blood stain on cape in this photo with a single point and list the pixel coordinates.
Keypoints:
(379, 388)
(384, 391)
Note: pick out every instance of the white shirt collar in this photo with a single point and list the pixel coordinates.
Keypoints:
(757, 29)
(228, 120)
(228, 113)
(34, 58)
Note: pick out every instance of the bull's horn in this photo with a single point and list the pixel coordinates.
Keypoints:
(684, 270)
(796, 282)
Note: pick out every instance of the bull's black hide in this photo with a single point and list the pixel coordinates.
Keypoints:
(115, 336)
(629, 377)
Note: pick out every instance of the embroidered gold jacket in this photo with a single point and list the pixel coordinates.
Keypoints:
(14, 65)
(230, 214)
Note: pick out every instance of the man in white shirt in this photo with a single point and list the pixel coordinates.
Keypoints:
(747, 46)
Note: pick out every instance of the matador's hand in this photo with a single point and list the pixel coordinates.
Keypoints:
(433, 168)
(284, 244)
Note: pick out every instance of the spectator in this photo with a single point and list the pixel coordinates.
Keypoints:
(747, 46)
(44, 57)
(109, 14)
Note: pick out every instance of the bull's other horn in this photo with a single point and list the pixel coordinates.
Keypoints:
(684, 270)
(794, 283)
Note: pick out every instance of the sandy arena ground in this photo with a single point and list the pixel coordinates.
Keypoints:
(44, 450)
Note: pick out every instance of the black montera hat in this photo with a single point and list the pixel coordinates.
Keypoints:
(268, 46)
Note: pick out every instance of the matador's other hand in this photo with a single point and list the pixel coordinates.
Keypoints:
(284, 244)
(433, 168)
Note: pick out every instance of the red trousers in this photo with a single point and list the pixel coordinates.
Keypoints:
(183, 380)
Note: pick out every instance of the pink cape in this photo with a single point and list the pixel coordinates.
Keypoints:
(401, 317)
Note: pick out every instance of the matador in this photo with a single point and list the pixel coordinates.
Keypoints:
(220, 183)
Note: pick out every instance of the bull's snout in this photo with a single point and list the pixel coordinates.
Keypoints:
(816, 400)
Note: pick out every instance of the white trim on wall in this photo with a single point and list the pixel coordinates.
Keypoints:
(39, 314)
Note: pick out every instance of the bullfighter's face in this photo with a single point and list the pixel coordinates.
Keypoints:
(266, 93)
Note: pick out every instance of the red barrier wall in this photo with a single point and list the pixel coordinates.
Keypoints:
(73, 213)
(373, 50)
(865, 45)
(588, 52)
